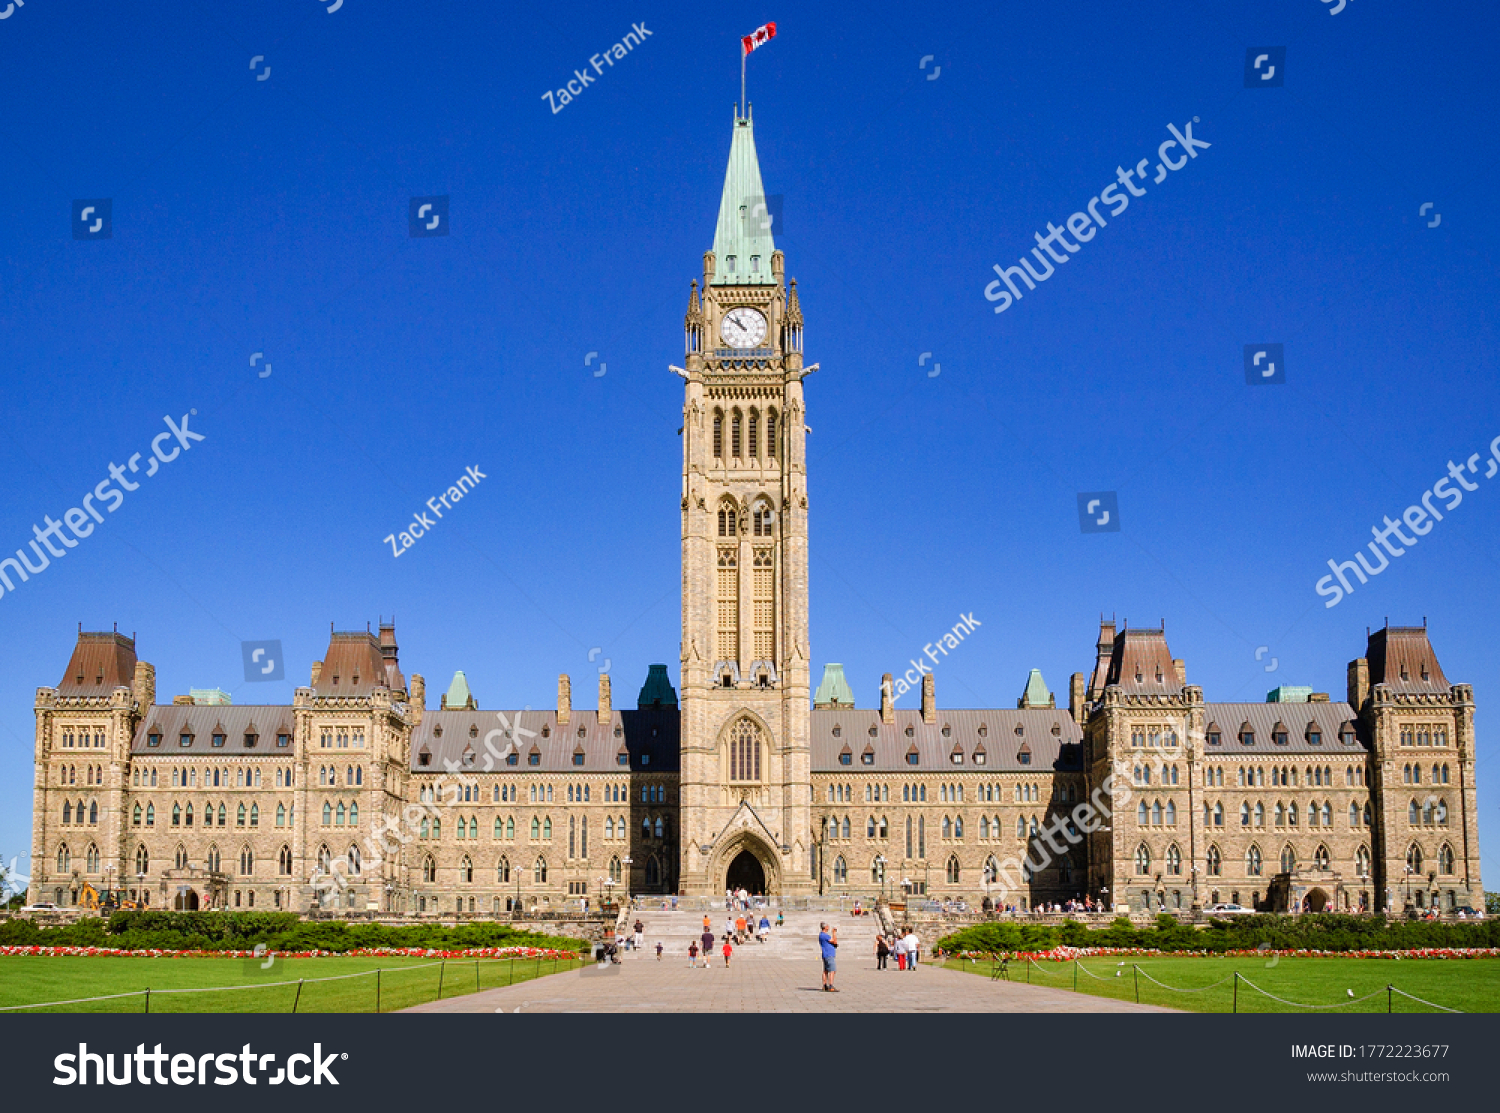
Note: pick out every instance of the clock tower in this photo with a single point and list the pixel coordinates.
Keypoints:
(745, 775)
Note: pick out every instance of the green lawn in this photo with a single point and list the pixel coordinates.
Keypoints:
(27, 980)
(1470, 985)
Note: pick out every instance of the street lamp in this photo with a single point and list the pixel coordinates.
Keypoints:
(880, 861)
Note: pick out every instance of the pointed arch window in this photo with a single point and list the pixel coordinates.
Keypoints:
(284, 861)
(539, 871)
(1362, 861)
(1253, 861)
(718, 434)
(1288, 859)
(429, 870)
(735, 444)
(1445, 859)
(953, 872)
(466, 869)
(142, 861)
(1142, 860)
(247, 862)
(745, 751)
(753, 429)
(771, 434)
(1320, 857)
(1215, 862)
(502, 869)
(1174, 859)
(840, 871)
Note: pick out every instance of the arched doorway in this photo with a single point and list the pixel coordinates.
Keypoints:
(746, 872)
(187, 901)
(1317, 901)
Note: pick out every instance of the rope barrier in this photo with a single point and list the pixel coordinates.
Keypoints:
(1179, 989)
(1297, 1005)
(1238, 977)
(258, 985)
(1403, 993)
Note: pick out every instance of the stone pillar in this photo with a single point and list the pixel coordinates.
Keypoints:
(929, 699)
(564, 698)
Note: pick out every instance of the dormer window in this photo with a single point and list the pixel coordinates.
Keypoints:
(1023, 755)
(283, 741)
(838, 731)
(437, 731)
(619, 731)
(1278, 734)
(512, 758)
(1056, 730)
(868, 757)
(218, 740)
(645, 759)
(473, 731)
(622, 758)
(957, 756)
(910, 731)
(424, 756)
(534, 758)
(468, 757)
(874, 731)
(184, 740)
(153, 740)
(578, 757)
(729, 264)
(846, 758)
(979, 756)
(251, 740)
(1247, 734)
(580, 730)
(1314, 735)
(1020, 730)
(947, 731)
(546, 732)
(983, 730)
(754, 263)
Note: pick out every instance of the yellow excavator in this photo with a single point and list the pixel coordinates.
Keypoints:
(110, 900)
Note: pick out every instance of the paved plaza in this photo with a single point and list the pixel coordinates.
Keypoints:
(781, 975)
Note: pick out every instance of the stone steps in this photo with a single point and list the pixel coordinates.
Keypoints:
(796, 939)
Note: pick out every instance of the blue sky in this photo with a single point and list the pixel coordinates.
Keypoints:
(271, 216)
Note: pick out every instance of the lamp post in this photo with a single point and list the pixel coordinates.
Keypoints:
(880, 861)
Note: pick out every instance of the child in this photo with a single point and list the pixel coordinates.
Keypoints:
(692, 954)
(728, 950)
(658, 950)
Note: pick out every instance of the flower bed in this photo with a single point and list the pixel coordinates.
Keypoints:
(367, 952)
(1063, 953)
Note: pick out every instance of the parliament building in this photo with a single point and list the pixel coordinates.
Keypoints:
(744, 775)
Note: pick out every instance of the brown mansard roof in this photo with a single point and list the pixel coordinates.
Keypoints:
(100, 662)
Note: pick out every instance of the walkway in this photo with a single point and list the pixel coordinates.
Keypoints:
(782, 975)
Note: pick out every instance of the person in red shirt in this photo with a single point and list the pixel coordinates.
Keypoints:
(728, 950)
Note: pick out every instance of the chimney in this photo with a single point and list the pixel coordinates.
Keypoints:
(929, 699)
(317, 671)
(1318, 697)
(1179, 666)
(564, 698)
(1359, 683)
(887, 708)
(418, 698)
(1075, 697)
(182, 701)
(603, 698)
(143, 690)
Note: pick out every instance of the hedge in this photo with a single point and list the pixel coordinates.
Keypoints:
(279, 931)
(1324, 932)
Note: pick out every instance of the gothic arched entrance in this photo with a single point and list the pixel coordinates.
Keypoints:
(1317, 901)
(746, 872)
(187, 901)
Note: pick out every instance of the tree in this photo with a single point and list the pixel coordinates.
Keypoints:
(1492, 904)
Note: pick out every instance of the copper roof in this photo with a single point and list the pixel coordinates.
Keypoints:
(1051, 737)
(201, 723)
(1141, 663)
(354, 666)
(1402, 657)
(649, 737)
(1296, 720)
(100, 662)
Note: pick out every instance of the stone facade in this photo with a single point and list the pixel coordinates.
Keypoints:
(1139, 794)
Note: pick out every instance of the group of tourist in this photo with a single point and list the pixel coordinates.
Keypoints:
(738, 930)
(905, 945)
(738, 900)
(1045, 908)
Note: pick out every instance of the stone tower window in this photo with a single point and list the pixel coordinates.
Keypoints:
(718, 434)
(744, 751)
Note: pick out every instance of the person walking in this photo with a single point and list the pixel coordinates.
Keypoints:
(640, 934)
(658, 950)
(728, 950)
(765, 927)
(739, 928)
(692, 954)
(708, 946)
(780, 919)
(828, 944)
(900, 948)
(913, 946)
(882, 952)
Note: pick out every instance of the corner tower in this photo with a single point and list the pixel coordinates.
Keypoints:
(746, 777)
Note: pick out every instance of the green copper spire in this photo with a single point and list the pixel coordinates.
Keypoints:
(458, 696)
(1036, 694)
(742, 241)
(657, 691)
(834, 690)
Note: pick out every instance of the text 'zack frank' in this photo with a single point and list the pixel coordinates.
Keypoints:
(421, 523)
(581, 79)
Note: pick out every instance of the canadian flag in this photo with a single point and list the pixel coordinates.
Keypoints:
(759, 37)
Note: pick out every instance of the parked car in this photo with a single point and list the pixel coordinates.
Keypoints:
(41, 906)
(1228, 910)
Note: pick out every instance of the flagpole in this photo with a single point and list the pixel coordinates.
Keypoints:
(743, 54)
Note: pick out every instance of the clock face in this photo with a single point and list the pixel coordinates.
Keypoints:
(743, 327)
